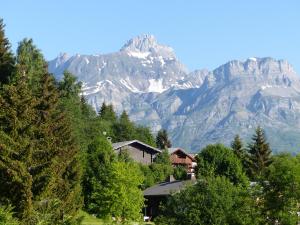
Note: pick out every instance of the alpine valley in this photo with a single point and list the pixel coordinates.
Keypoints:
(147, 80)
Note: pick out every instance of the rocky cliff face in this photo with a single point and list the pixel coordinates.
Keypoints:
(146, 79)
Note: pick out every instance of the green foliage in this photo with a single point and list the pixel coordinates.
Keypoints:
(238, 148)
(56, 168)
(6, 216)
(126, 199)
(218, 160)
(214, 201)
(162, 166)
(39, 156)
(162, 140)
(144, 134)
(69, 87)
(180, 173)
(111, 186)
(7, 60)
(259, 154)
(99, 159)
(107, 113)
(282, 190)
(124, 129)
(83, 122)
(30, 63)
(17, 116)
(158, 171)
(121, 128)
(149, 176)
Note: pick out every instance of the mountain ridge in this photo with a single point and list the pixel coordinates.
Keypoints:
(199, 107)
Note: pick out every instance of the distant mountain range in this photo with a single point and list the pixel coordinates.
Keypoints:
(197, 108)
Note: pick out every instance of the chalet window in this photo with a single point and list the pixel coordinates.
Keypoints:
(143, 153)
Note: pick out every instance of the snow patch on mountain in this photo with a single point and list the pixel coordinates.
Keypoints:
(137, 54)
(128, 85)
(156, 86)
(252, 59)
(89, 90)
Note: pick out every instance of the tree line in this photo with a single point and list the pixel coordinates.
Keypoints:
(239, 185)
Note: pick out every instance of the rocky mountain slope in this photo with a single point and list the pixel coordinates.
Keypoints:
(197, 108)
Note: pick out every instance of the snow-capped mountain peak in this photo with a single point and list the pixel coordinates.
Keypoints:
(154, 87)
(147, 44)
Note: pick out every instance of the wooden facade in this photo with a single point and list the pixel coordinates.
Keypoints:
(179, 157)
(137, 150)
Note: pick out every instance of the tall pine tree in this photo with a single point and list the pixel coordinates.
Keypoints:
(107, 112)
(259, 154)
(56, 170)
(7, 60)
(239, 149)
(124, 129)
(17, 116)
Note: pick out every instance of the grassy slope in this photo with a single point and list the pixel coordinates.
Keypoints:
(90, 220)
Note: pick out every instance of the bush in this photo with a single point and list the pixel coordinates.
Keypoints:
(6, 216)
(180, 173)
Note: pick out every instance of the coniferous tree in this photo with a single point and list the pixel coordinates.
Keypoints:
(7, 60)
(144, 134)
(69, 87)
(17, 116)
(162, 140)
(237, 146)
(239, 150)
(107, 112)
(39, 168)
(56, 170)
(259, 153)
(124, 129)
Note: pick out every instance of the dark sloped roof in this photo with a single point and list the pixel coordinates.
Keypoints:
(125, 143)
(167, 188)
(172, 150)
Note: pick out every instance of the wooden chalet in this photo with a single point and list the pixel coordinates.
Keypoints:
(137, 150)
(180, 157)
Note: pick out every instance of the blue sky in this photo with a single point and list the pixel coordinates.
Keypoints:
(204, 34)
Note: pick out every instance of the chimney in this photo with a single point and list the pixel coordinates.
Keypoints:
(170, 178)
(191, 176)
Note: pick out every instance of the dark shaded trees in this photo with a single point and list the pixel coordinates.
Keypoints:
(39, 166)
(259, 154)
(17, 116)
(238, 148)
(162, 140)
(7, 60)
(124, 129)
(107, 112)
(56, 167)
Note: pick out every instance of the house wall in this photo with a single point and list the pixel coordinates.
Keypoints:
(179, 158)
(138, 154)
